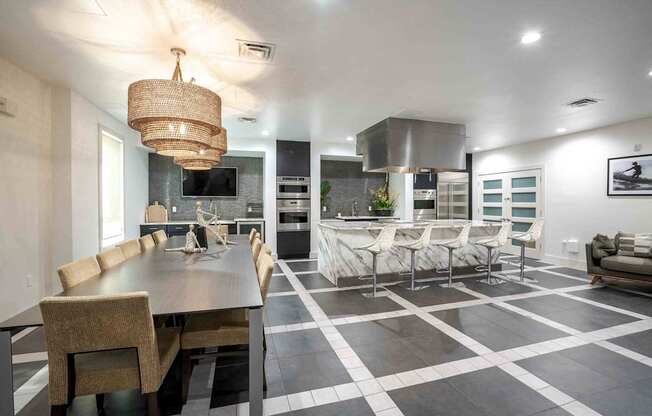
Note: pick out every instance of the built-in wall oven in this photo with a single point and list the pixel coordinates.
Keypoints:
(292, 187)
(293, 215)
(425, 204)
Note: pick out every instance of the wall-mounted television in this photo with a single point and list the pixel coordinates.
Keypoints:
(219, 182)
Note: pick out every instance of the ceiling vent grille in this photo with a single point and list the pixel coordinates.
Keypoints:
(256, 51)
(583, 102)
(247, 120)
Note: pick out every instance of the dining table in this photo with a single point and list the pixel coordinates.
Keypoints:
(179, 285)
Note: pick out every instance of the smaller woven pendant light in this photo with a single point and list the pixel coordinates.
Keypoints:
(173, 117)
(205, 159)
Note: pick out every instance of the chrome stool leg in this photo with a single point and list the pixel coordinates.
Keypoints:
(450, 283)
(523, 278)
(373, 278)
(413, 267)
(491, 280)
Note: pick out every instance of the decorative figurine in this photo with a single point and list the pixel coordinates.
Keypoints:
(209, 220)
(192, 245)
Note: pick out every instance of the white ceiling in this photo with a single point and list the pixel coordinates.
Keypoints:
(342, 65)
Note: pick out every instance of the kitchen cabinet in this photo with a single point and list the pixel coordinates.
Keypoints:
(292, 158)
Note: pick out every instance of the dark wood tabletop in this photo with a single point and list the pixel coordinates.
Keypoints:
(177, 283)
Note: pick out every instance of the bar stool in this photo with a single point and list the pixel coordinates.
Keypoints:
(458, 242)
(382, 243)
(494, 243)
(532, 235)
(416, 245)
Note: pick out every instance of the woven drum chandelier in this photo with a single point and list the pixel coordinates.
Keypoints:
(173, 117)
(205, 159)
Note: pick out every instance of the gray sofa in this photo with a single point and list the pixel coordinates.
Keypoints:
(620, 267)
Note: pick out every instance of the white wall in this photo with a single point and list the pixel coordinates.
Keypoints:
(267, 150)
(401, 186)
(49, 178)
(575, 180)
(25, 180)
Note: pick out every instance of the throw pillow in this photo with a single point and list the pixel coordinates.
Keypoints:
(603, 246)
(634, 245)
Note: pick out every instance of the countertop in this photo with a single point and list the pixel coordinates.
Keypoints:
(366, 225)
(182, 222)
(363, 218)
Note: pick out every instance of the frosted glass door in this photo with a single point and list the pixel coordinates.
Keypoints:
(512, 196)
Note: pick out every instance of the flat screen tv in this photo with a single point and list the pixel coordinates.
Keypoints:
(219, 182)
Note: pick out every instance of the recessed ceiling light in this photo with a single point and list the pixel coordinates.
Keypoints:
(649, 74)
(530, 37)
(265, 132)
(349, 138)
(475, 149)
(561, 130)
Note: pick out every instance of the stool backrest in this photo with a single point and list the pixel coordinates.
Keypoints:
(536, 229)
(385, 238)
(463, 236)
(503, 233)
(425, 236)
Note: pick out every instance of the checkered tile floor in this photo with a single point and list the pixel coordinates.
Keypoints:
(556, 346)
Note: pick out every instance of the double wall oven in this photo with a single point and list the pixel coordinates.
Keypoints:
(293, 214)
(292, 187)
(425, 204)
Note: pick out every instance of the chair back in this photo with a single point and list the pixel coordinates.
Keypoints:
(385, 238)
(425, 236)
(146, 242)
(265, 273)
(463, 237)
(110, 258)
(130, 248)
(156, 213)
(256, 249)
(536, 229)
(503, 233)
(252, 235)
(79, 324)
(264, 250)
(159, 236)
(74, 273)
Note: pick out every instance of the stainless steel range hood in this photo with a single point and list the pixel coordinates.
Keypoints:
(411, 146)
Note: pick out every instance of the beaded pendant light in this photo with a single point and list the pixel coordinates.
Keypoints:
(205, 159)
(173, 117)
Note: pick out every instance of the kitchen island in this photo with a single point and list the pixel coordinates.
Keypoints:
(338, 259)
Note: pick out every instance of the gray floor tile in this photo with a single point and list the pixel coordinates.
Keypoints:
(25, 371)
(280, 284)
(432, 295)
(628, 400)
(641, 342)
(549, 280)
(289, 344)
(556, 411)
(571, 272)
(303, 266)
(435, 398)
(609, 363)
(314, 281)
(506, 288)
(277, 269)
(312, 371)
(499, 394)
(620, 299)
(284, 310)
(351, 302)
(353, 407)
(32, 342)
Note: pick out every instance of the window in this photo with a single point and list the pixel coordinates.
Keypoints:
(112, 213)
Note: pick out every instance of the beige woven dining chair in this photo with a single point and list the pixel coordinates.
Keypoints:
(130, 248)
(74, 273)
(252, 235)
(256, 248)
(146, 242)
(159, 236)
(101, 344)
(218, 329)
(264, 249)
(110, 258)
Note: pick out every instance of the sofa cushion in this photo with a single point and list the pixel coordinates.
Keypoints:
(635, 245)
(627, 264)
(602, 246)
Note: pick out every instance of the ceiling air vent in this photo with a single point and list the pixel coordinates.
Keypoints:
(247, 120)
(583, 102)
(256, 51)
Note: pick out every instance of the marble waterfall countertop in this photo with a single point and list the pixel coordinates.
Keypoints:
(338, 240)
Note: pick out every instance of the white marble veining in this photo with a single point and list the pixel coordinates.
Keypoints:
(337, 241)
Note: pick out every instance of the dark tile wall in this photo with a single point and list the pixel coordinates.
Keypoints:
(348, 183)
(165, 187)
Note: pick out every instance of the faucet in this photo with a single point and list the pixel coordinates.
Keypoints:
(354, 208)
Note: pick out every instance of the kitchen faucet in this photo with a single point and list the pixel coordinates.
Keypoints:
(354, 208)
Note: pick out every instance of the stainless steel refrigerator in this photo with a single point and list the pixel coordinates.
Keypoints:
(453, 196)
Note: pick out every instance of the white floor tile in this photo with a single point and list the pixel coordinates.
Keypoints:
(409, 378)
(324, 396)
(368, 387)
(579, 409)
(380, 401)
(347, 391)
(556, 396)
(301, 400)
(390, 382)
(274, 406)
(360, 373)
(532, 381)
(428, 374)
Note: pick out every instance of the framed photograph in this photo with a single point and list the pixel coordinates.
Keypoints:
(629, 176)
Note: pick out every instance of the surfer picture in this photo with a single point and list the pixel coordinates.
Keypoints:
(630, 176)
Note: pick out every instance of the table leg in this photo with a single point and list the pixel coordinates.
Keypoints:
(256, 361)
(6, 375)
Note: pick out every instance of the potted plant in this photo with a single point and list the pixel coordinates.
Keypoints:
(382, 202)
(324, 190)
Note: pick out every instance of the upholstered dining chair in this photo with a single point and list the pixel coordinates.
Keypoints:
(252, 235)
(74, 273)
(110, 258)
(219, 329)
(130, 248)
(264, 249)
(256, 249)
(159, 236)
(101, 344)
(146, 242)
